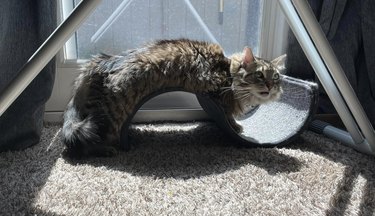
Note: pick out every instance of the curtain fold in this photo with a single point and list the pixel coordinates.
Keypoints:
(331, 15)
(350, 28)
(24, 25)
(368, 31)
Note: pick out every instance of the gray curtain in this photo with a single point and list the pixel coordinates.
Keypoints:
(350, 28)
(24, 25)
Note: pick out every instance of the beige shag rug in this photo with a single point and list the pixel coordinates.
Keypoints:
(189, 169)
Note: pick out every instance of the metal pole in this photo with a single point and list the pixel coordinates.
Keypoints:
(336, 71)
(321, 71)
(45, 53)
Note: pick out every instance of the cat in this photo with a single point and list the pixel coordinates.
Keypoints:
(109, 88)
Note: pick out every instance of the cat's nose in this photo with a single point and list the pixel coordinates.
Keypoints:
(269, 85)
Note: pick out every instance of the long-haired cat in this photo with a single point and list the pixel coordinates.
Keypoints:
(109, 88)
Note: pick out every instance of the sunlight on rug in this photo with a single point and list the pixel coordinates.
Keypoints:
(189, 169)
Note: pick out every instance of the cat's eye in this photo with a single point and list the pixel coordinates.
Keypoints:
(276, 76)
(258, 74)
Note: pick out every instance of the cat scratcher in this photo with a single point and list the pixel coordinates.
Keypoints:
(267, 125)
(274, 123)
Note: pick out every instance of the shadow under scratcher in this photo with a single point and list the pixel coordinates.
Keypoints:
(189, 151)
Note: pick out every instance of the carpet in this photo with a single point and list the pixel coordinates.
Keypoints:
(189, 169)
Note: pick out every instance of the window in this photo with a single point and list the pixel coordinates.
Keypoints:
(118, 25)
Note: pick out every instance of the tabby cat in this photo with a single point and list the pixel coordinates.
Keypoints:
(110, 86)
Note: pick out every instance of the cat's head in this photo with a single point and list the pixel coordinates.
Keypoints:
(255, 80)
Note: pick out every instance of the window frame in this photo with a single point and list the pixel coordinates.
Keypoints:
(273, 38)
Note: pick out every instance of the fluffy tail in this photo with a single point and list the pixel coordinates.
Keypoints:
(78, 133)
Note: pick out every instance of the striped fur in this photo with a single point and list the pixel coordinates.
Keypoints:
(109, 88)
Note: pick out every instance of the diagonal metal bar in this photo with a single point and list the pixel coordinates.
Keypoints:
(336, 71)
(45, 53)
(321, 56)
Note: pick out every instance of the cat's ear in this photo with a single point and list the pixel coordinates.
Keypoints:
(247, 56)
(279, 62)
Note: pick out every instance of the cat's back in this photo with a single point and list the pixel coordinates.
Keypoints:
(187, 47)
(156, 54)
(184, 50)
(160, 61)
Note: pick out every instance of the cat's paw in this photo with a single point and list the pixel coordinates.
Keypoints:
(236, 127)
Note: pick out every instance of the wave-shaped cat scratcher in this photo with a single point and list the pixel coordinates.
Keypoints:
(267, 125)
(274, 123)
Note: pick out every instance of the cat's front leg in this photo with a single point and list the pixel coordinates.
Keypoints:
(231, 108)
(232, 122)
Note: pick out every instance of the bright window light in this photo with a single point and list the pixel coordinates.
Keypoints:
(118, 25)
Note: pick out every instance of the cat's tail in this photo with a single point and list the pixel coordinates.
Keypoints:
(78, 133)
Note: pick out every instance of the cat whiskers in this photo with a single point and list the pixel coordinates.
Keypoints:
(242, 95)
(225, 89)
(239, 94)
(242, 89)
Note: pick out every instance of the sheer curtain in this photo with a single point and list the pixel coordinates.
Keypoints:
(350, 28)
(24, 25)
